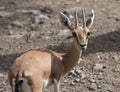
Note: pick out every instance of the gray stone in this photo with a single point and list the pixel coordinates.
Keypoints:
(40, 19)
(100, 76)
(92, 80)
(17, 24)
(92, 86)
(78, 71)
(2, 8)
(72, 72)
(110, 89)
(34, 12)
(46, 9)
(116, 58)
(1, 75)
(65, 81)
(77, 80)
(72, 83)
(99, 86)
(98, 66)
(5, 14)
(82, 75)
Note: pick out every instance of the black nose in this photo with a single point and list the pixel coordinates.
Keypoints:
(82, 45)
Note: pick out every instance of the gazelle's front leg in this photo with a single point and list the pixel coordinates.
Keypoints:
(56, 85)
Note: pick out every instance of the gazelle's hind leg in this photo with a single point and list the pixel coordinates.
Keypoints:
(56, 85)
(25, 87)
(37, 88)
(20, 85)
(36, 84)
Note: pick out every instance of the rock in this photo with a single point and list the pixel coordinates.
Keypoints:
(73, 9)
(110, 89)
(1, 75)
(116, 58)
(40, 19)
(13, 2)
(34, 12)
(82, 75)
(77, 80)
(78, 71)
(5, 14)
(77, 0)
(92, 86)
(72, 73)
(64, 32)
(46, 9)
(17, 24)
(71, 17)
(16, 36)
(1, 48)
(99, 56)
(72, 83)
(64, 90)
(92, 80)
(98, 66)
(65, 81)
(1, 90)
(117, 19)
(99, 86)
(100, 76)
(2, 8)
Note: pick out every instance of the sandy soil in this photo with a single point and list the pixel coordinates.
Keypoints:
(34, 24)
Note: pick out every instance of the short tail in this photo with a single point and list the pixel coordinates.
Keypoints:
(18, 84)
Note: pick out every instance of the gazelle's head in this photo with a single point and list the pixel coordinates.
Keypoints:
(81, 34)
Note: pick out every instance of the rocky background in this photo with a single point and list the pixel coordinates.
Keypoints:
(34, 24)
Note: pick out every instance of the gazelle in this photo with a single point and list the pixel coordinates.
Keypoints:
(34, 70)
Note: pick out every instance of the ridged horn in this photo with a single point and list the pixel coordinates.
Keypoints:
(76, 19)
(84, 20)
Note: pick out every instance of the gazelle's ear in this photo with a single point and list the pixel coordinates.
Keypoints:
(65, 20)
(90, 20)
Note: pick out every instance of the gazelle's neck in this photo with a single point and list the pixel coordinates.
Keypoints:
(71, 57)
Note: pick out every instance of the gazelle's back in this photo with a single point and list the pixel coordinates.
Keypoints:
(41, 63)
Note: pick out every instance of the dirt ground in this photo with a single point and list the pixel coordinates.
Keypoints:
(34, 24)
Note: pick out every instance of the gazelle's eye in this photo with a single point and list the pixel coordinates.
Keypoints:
(74, 34)
(88, 34)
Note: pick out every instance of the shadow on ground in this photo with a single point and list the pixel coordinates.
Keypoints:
(103, 43)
